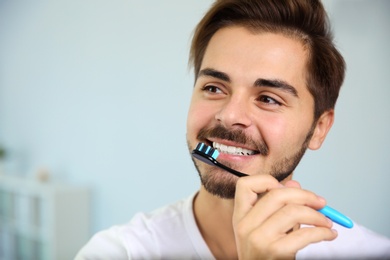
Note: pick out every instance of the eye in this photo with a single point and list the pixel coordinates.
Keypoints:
(212, 89)
(268, 100)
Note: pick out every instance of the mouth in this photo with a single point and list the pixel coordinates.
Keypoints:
(234, 150)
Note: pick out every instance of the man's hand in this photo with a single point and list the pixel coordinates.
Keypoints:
(267, 226)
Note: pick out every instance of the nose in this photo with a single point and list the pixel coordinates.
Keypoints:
(235, 113)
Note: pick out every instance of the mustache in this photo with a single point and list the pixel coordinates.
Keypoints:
(236, 135)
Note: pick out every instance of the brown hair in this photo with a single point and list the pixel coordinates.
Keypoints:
(305, 20)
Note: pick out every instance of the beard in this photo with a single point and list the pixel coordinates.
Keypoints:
(222, 183)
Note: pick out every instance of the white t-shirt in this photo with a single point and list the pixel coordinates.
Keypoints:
(172, 233)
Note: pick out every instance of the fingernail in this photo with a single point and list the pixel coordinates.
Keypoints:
(322, 199)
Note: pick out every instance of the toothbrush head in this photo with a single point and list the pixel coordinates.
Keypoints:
(209, 155)
(205, 153)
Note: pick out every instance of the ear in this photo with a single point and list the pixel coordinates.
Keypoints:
(323, 125)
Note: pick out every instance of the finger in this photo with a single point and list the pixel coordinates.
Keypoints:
(292, 184)
(281, 243)
(286, 218)
(276, 199)
(247, 190)
(299, 239)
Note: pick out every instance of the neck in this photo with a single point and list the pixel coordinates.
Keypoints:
(214, 218)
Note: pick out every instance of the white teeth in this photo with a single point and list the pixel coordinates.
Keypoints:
(232, 149)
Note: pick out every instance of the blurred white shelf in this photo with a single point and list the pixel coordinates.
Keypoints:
(42, 220)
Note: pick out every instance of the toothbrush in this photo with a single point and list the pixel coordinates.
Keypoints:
(209, 155)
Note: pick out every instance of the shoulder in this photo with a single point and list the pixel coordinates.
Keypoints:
(104, 245)
(356, 243)
(145, 235)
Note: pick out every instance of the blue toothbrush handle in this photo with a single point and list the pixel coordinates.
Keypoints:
(336, 216)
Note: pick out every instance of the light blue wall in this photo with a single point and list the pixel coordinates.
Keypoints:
(352, 169)
(97, 92)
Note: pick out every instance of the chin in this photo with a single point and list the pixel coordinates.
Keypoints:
(219, 183)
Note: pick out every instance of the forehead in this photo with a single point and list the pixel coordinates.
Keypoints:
(246, 55)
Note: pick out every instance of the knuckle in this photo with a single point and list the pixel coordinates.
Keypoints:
(241, 229)
(274, 249)
(274, 194)
(279, 251)
(291, 210)
(257, 242)
(241, 182)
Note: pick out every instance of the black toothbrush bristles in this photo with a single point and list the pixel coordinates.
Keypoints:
(209, 155)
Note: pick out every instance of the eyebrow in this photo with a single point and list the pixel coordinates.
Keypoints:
(273, 83)
(215, 74)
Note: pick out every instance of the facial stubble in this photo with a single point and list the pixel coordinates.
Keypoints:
(223, 184)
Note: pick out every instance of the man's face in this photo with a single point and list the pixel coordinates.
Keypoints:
(250, 102)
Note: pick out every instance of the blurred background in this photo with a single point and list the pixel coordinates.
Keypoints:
(94, 94)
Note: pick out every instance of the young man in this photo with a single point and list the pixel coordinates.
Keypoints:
(267, 77)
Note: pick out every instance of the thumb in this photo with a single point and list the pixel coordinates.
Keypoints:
(292, 184)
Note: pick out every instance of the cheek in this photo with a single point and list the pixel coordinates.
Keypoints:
(282, 133)
(198, 117)
(191, 123)
(274, 131)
